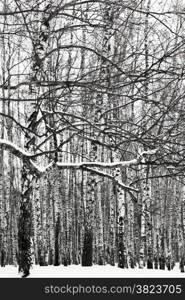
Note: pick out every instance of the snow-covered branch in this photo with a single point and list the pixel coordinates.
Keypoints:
(29, 157)
(106, 165)
(14, 149)
(25, 156)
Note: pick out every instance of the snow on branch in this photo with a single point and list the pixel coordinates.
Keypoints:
(106, 165)
(41, 169)
(20, 153)
(28, 157)
(14, 149)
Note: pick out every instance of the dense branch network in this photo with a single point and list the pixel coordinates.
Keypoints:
(92, 105)
(28, 158)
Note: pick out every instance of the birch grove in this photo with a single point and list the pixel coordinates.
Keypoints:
(92, 133)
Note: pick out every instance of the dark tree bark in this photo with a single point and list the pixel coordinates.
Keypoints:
(57, 233)
(24, 226)
(87, 249)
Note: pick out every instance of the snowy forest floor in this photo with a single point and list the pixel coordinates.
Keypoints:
(74, 271)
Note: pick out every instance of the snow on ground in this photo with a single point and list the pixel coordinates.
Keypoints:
(74, 271)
